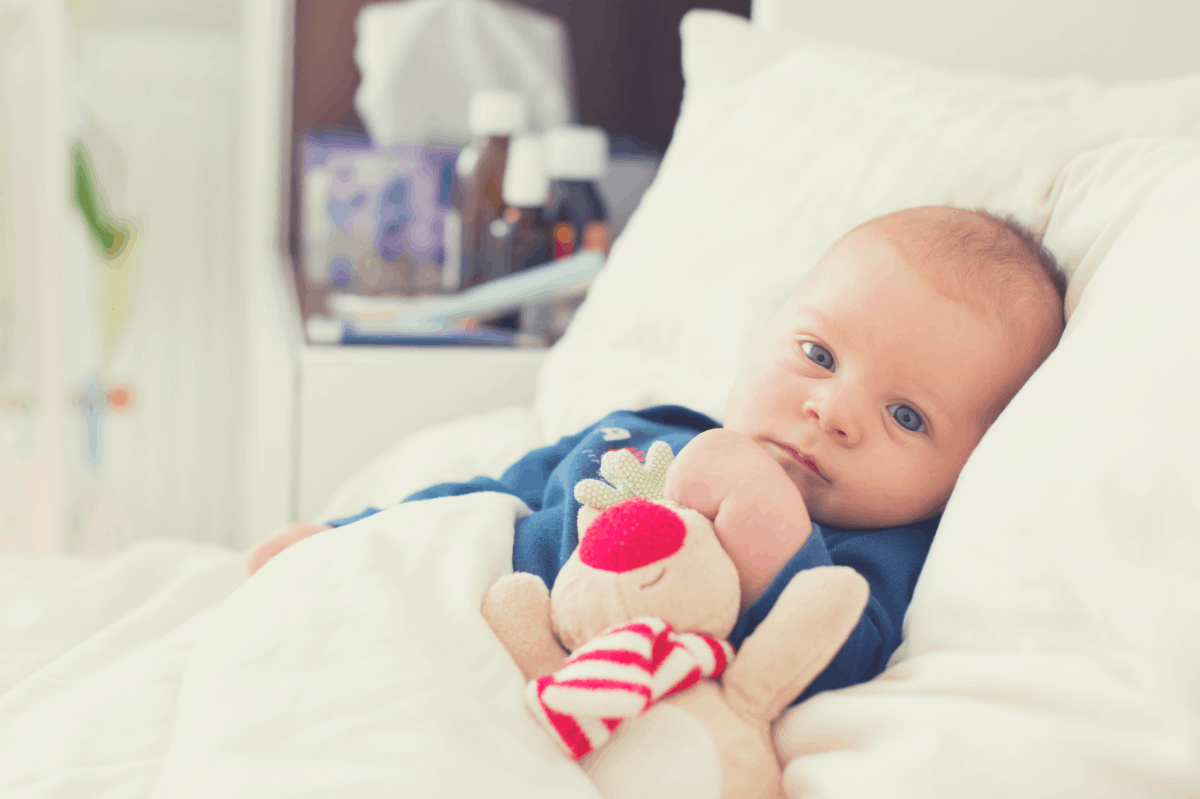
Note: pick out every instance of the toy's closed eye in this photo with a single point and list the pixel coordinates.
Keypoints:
(819, 355)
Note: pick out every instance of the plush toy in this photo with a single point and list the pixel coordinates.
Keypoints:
(650, 699)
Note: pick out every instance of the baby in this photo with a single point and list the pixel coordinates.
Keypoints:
(845, 431)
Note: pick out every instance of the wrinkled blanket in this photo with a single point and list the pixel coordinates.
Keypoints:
(354, 664)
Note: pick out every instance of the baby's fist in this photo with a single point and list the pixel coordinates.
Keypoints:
(278, 541)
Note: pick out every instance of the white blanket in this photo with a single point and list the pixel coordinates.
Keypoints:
(91, 658)
(354, 664)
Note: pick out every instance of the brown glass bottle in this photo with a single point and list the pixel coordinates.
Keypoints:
(494, 117)
(576, 160)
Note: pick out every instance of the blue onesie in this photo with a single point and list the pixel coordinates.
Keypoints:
(545, 479)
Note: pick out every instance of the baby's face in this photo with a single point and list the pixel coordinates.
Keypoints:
(871, 389)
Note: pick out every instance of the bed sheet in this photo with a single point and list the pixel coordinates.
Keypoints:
(481, 444)
(91, 657)
(355, 663)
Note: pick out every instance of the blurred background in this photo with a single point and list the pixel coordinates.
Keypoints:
(170, 224)
(246, 246)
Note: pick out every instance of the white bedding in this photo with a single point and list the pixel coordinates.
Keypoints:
(92, 658)
(1050, 648)
(355, 664)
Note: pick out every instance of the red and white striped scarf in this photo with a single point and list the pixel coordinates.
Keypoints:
(620, 674)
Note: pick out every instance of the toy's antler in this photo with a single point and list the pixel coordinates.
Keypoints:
(629, 478)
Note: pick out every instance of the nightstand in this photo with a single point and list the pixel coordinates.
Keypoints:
(354, 403)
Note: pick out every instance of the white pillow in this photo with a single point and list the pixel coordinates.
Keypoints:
(1167, 107)
(1098, 192)
(781, 146)
(1051, 648)
(1164, 107)
(1110, 524)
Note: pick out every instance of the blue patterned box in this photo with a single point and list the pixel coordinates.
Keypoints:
(374, 220)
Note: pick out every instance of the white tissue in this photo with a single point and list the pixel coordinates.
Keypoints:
(421, 60)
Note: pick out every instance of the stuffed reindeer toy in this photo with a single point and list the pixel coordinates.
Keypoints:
(626, 661)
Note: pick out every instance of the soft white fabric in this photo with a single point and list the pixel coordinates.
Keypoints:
(481, 444)
(91, 668)
(356, 663)
(1098, 192)
(1051, 647)
(1167, 107)
(1162, 107)
(1112, 40)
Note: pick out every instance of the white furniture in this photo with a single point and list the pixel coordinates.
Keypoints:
(153, 91)
(356, 402)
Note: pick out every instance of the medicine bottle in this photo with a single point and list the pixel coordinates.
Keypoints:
(493, 117)
(522, 232)
(576, 160)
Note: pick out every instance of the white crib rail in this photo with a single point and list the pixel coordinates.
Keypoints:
(33, 199)
(188, 129)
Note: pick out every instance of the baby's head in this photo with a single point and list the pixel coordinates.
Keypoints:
(883, 370)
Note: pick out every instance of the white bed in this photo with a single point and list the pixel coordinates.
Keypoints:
(1050, 648)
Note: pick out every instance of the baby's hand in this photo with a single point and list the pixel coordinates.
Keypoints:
(759, 516)
(278, 541)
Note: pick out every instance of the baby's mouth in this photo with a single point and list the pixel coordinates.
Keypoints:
(803, 460)
(811, 465)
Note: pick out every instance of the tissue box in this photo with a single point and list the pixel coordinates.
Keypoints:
(375, 218)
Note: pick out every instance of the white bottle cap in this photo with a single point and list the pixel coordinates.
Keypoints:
(526, 184)
(574, 152)
(323, 330)
(496, 112)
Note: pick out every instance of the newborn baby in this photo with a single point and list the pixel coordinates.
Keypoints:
(875, 381)
(845, 431)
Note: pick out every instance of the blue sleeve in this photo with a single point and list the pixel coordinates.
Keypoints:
(812, 554)
(344, 520)
(891, 561)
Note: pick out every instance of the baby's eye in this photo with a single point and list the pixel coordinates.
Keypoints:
(818, 355)
(907, 418)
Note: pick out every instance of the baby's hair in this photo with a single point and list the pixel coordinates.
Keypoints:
(985, 261)
(1033, 244)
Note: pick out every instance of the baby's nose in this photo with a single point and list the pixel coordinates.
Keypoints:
(630, 535)
(817, 416)
(834, 416)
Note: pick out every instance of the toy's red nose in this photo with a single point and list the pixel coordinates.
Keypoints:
(631, 535)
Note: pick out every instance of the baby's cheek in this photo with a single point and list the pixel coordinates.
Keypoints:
(870, 498)
(917, 495)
